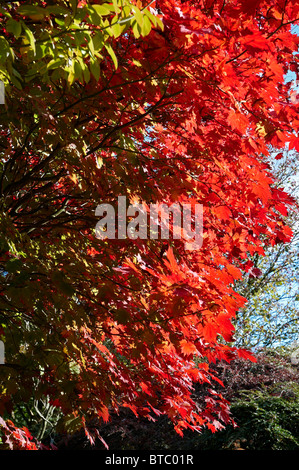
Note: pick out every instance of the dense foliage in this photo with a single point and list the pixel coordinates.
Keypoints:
(264, 399)
(170, 101)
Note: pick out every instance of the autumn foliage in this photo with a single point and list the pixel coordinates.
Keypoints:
(176, 101)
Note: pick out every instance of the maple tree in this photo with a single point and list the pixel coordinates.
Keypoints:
(165, 101)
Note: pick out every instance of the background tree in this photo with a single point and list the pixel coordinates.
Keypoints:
(177, 104)
(270, 318)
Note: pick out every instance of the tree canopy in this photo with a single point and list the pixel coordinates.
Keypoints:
(162, 102)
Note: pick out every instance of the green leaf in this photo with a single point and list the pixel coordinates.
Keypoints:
(74, 5)
(160, 23)
(151, 17)
(32, 11)
(146, 27)
(30, 36)
(55, 63)
(19, 76)
(14, 27)
(4, 12)
(126, 12)
(138, 16)
(4, 50)
(116, 29)
(60, 22)
(136, 29)
(57, 10)
(115, 6)
(106, 26)
(102, 10)
(95, 69)
(16, 83)
(79, 38)
(91, 45)
(98, 41)
(154, 19)
(86, 74)
(112, 55)
(78, 70)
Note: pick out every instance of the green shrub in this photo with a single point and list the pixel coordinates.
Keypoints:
(266, 419)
